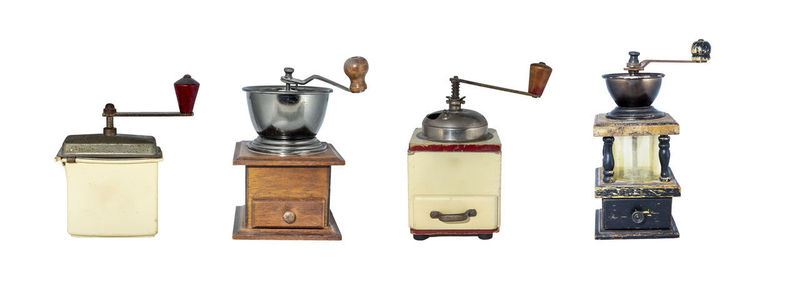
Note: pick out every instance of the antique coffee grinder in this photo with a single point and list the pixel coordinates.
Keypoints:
(288, 170)
(454, 167)
(112, 179)
(635, 182)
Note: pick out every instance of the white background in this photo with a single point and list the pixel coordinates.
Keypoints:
(736, 157)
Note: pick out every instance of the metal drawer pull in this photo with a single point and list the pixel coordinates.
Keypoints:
(454, 217)
(289, 217)
(637, 217)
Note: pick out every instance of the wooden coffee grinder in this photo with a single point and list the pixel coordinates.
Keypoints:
(635, 182)
(287, 170)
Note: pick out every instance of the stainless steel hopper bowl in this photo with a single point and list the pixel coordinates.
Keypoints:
(296, 114)
(288, 117)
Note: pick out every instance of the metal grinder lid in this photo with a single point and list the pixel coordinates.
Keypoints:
(461, 125)
(109, 147)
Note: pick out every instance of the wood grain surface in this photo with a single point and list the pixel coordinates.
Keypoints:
(269, 212)
(241, 232)
(278, 183)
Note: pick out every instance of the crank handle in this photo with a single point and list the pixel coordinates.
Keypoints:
(355, 68)
(701, 53)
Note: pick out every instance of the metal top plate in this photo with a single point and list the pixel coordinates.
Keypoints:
(113, 147)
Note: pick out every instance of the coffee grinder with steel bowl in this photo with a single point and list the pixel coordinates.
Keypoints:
(635, 180)
(287, 168)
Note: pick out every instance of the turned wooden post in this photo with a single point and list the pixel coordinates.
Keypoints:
(608, 159)
(663, 156)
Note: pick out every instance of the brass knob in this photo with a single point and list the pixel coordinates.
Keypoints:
(289, 217)
(701, 51)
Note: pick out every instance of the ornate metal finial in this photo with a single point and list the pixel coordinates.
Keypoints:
(634, 59)
(701, 51)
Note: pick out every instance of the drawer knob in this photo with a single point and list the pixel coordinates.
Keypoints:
(289, 217)
(637, 217)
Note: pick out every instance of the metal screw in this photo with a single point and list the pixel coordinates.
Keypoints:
(109, 112)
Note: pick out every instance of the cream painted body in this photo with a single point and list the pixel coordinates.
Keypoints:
(112, 197)
(636, 158)
(452, 183)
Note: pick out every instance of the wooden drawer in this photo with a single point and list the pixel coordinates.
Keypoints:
(288, 213)
(653, 213)
(288, 182)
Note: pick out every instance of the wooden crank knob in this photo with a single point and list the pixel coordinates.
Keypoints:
(537, 80)
(356, 68)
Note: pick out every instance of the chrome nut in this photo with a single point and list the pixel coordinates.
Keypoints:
(289, 217)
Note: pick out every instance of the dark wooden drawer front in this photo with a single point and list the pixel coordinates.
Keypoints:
(289, 213)
(637, 213)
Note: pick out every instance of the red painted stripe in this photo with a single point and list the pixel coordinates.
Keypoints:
(453, 232)
(455, 148)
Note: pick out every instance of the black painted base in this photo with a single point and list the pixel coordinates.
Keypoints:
(635, 113)
(602, 234)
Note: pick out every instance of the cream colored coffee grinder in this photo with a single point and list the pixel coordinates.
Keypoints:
(112, 179)
(454, 167)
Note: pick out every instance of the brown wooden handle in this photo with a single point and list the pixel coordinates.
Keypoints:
(539, 75)
(356, 68)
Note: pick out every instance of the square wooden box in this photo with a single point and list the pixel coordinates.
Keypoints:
(287, 197)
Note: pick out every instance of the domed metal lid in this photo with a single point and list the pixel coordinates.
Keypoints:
(462, 125)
